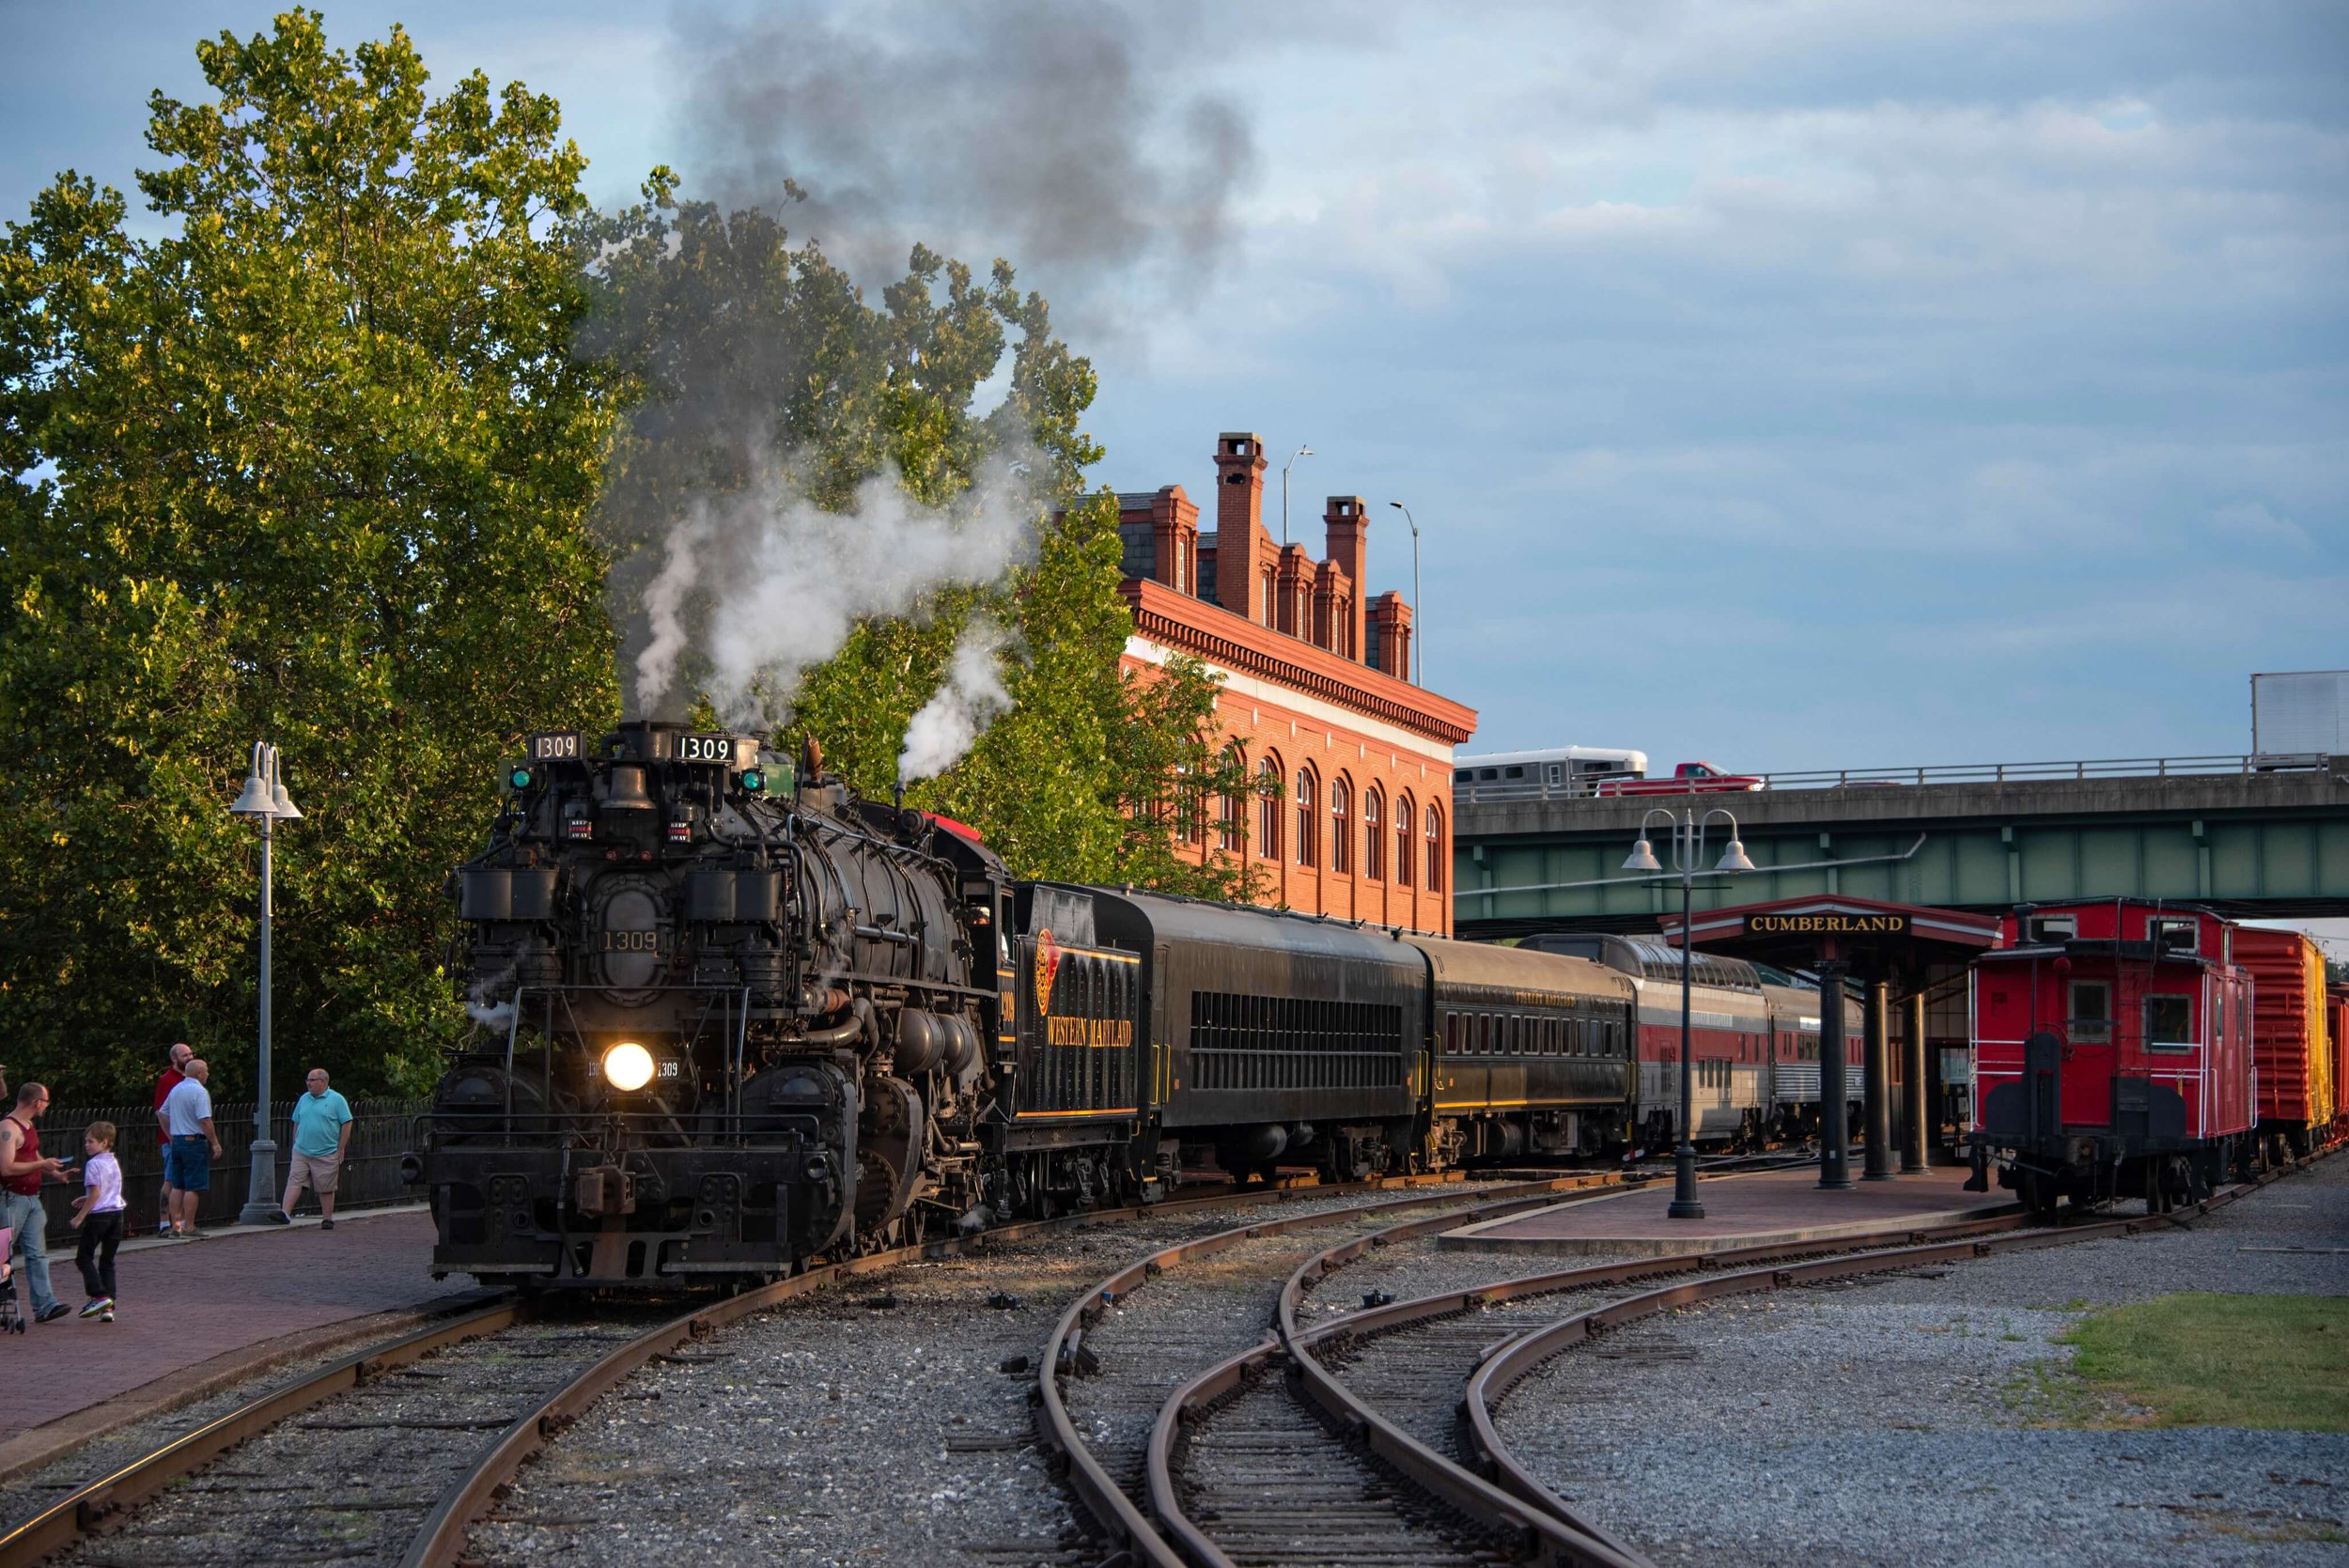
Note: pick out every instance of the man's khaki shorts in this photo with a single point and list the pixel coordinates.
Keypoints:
(319, 1172)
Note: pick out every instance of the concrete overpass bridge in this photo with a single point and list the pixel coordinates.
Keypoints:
(2258, 838)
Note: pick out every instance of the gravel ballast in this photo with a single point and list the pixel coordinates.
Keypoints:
(885, 1420)
(1898, 1420)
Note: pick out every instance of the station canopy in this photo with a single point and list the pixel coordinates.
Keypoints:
(1800, 933)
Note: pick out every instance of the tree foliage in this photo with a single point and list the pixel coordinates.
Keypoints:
(315, 466)
(738, 342)
(322, 464)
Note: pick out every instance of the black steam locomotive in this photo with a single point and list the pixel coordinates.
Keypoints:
(732, 1017)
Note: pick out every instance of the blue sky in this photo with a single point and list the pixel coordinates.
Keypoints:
(1794, 385)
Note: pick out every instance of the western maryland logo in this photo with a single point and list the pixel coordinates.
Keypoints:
(1047, 966)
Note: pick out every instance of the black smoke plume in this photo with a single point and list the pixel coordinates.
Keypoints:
(1067, 135)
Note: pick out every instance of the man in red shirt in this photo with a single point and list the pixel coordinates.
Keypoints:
(170, 1079)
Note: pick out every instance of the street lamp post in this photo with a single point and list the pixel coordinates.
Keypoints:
(1419, 632)
(265, 801)
(1688, 847)
(1300, 452)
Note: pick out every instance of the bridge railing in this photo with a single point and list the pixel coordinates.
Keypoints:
(1484, 791)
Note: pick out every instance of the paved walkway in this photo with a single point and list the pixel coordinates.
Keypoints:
(1764, 1209)
(192, 1314)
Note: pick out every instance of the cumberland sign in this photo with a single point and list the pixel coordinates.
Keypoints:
(1832, 924)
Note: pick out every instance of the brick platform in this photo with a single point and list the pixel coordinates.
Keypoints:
(1765, 1209)
(194, 1315)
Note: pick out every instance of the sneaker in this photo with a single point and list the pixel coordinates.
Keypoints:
(97, 1305)
(192, 1234)
(279, 1216)
(163, 1230)
(56, 1310)
(106, 1317)
(326, 1224)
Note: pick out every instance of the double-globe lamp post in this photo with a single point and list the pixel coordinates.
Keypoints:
(1688, 849)
(265, 801)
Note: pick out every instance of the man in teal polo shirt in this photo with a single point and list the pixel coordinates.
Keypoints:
(321, 1123)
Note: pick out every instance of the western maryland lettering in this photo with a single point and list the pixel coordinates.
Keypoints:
(1089, 1033)
(1826, 925)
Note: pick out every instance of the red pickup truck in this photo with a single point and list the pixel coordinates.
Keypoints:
(1687, 778)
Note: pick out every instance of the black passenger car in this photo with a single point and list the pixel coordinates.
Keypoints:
(1275, 1038)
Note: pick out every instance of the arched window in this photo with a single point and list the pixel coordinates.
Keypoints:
(1341, 827)
(1374, 837)
(1307, 824)
(1268, 808)
(1435, 850)
(1231, 815)
(1405, 850)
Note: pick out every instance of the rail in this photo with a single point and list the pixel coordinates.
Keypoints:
(1494, 791)
(1508, 1363)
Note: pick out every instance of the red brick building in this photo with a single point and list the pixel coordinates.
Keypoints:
(1317, 692)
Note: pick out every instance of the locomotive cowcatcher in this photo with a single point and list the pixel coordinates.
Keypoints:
(2113, 1054)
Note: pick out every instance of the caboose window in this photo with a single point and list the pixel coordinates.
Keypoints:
(2091, 1019)
(2174, 934)
(2169, 1024)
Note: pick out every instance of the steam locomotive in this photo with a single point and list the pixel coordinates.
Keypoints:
(732, 1017)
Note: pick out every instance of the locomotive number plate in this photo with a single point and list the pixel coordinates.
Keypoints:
(635, 941)
(555, 746)
(706, 747)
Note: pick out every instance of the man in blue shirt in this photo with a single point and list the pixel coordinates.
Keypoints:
(322, 1128)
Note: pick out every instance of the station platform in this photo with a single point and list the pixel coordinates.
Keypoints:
(1764, 1209)
(195, 1317)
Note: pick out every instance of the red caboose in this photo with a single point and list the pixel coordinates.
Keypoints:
(2113, 1054)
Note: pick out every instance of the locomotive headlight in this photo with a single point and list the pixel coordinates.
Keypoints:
(627, 1066)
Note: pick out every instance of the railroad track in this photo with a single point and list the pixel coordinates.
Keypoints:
(1369, 1439)
(1108, 1369)
(424, 1432)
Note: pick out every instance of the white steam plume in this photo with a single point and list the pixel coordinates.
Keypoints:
(965, 703)
(776, 584)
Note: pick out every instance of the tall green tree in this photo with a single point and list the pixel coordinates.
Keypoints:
(740, 345)
(317, 466)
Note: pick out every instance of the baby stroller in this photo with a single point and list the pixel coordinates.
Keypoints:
(11, 1316)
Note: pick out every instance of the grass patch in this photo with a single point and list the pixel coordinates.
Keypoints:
(2200, 1358)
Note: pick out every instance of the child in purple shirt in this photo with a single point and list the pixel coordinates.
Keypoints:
(98, 1214)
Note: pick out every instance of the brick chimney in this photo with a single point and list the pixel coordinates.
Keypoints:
(1347, 531)
(1295, 591)
(1243, 552)
(1174, 539)
(1391, 635)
